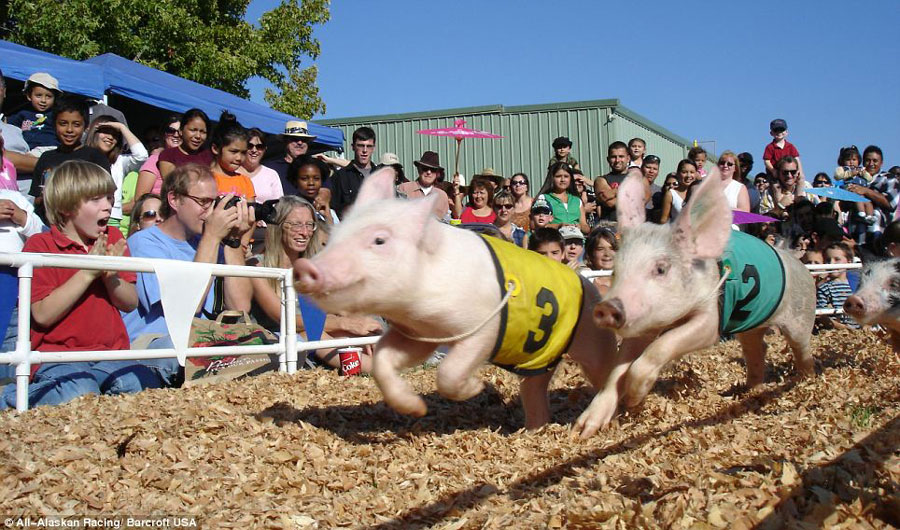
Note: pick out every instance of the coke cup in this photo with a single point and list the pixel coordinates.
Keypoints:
(350, 361)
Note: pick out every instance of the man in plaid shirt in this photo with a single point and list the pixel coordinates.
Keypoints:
(883, 191)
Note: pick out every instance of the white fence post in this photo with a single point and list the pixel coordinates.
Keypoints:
(23, 339)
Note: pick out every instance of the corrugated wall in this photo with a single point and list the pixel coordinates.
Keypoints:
(528, 134)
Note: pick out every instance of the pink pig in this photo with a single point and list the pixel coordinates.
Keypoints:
(677, 287)
(877, 300)
(437, 283)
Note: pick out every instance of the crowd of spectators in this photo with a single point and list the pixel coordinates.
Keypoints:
(75, 181)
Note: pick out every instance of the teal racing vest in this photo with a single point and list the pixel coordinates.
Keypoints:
(755, 283)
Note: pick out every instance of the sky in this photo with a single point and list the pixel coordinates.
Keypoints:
(704, 70)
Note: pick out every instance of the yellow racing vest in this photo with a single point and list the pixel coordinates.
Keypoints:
(537, 324)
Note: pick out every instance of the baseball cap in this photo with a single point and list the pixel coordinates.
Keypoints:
(540, 205)
(778, 124)
(44, 79)
(562, 141)
(389, 159)
(571, 232)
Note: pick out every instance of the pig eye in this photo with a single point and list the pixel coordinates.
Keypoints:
(661, 268)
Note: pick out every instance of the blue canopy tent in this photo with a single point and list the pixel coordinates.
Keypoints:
(111, 74)
(19, 62)
(160, 89)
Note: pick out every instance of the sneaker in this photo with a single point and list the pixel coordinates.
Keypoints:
(871, 219)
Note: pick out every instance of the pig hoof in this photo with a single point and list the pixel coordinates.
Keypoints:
(415, 408)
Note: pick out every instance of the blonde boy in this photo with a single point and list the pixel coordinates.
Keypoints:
(78, 310)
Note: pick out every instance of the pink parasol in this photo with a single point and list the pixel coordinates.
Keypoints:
(459, 131)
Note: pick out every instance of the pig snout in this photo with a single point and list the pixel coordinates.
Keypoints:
(309, 279)
(610, 314)
(854, 306)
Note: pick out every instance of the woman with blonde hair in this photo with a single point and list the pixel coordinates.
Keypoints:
(735, 191)
(297, 233)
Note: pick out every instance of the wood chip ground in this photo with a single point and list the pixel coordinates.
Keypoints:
(314, 450)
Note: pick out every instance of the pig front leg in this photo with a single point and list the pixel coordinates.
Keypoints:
(456, 378)
(533, 392)
(393, 353)
(603, 406)
(700, 331)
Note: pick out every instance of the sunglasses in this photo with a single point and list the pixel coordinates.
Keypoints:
(726, 164)
(258, 147)
(503, 206)
(172, 131)
(518, 183)
(651, 159)
(790, 171)
(822, 182)
(148, 214)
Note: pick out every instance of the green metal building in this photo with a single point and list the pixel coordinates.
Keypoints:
(528, 131)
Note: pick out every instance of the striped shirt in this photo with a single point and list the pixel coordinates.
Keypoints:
(832, 294)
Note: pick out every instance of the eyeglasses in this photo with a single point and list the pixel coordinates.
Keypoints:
(503, 206)
(172, 131)
(258, 147)
(148, 214)
(308, 226)
(726, 164)
(790, 171)
(203, 202)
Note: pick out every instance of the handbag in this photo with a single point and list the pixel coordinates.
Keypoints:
(230, 328)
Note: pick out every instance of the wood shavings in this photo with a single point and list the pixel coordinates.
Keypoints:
(315, 450)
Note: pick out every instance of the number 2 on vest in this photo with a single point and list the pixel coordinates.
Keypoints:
(544, 298)
(749, 273)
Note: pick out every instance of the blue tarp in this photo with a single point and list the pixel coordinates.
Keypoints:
(167, 91)
(111, 74)
(19, 62)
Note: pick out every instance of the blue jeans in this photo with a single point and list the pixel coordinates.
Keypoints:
(53, 384)
(57, 383)
(168, 370)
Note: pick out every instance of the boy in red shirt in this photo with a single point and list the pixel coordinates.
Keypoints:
(779, 147)
(78, 310)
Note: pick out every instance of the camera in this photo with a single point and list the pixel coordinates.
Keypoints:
(264, 212)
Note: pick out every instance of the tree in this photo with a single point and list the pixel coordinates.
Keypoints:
(207, 41)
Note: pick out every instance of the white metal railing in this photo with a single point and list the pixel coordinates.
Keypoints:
(23, 357)
(287, 348)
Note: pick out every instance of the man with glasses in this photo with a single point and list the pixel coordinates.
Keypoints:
(430, 171)
(790, 187)
(194, 228)
(296, 139)
(346, 182)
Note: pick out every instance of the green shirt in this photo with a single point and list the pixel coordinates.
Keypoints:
(755, 283)
(568, 213)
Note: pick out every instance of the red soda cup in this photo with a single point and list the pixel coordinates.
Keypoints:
(350, 362)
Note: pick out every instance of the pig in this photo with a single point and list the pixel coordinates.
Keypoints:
(665, 295)
(435, 283)
(877, 300)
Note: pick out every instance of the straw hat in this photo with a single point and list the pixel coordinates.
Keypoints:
(298, 129)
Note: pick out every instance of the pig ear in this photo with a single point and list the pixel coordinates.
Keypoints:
(377, 187)
(630, 210)
(704, 226)
(421, 216)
